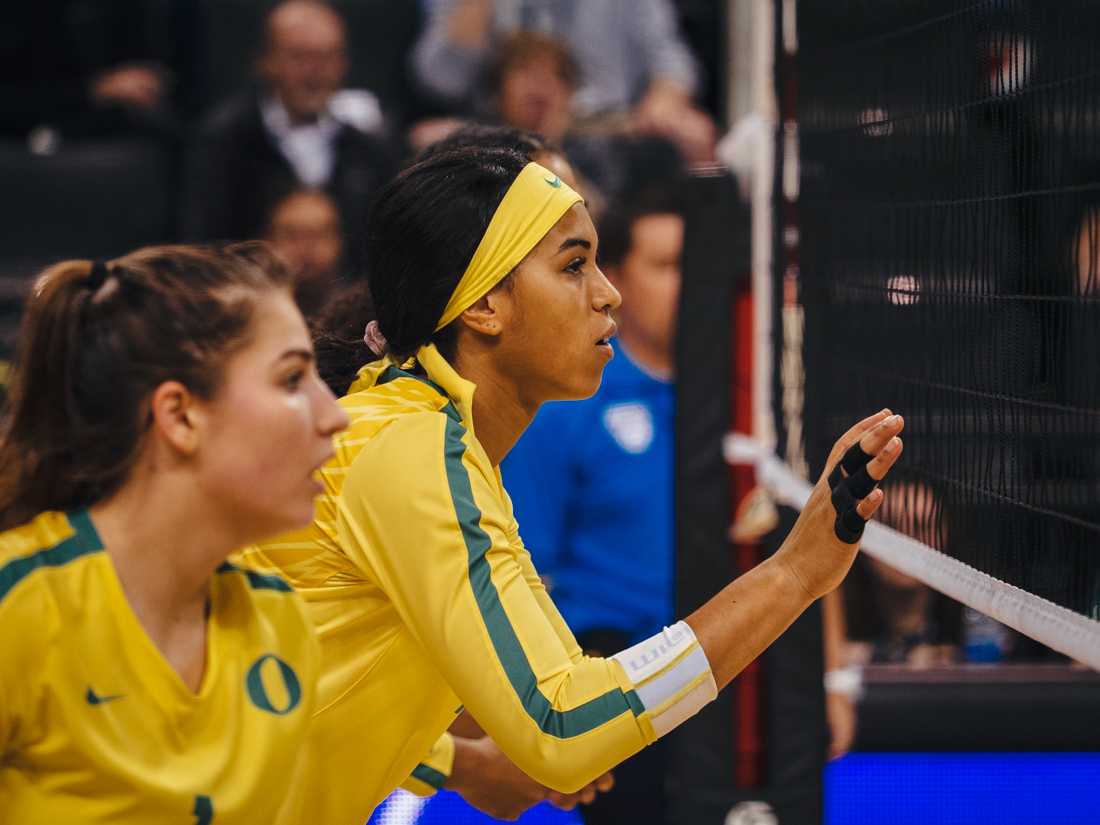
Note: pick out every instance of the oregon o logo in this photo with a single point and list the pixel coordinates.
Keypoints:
(291, 694)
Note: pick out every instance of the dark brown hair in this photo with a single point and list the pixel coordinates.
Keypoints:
(94, 344)
(524, 46)
(423, 231)
(338, 336)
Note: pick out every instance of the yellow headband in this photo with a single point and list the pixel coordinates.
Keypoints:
(535, 201)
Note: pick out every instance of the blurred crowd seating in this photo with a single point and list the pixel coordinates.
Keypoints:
(106, 100)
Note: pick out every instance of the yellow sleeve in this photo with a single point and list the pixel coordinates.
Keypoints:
(422, 516)
(434, 769)
(542, 598)
(9, 714)
(538, 586)
(29, 624)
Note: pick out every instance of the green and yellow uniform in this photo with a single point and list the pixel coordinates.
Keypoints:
(426, 600)
(96, 726)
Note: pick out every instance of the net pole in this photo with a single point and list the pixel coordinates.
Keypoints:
(765, 109)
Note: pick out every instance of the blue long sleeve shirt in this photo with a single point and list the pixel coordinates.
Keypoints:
(591, 483)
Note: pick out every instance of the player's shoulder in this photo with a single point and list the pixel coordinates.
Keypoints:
(262, 596)
(40, 533)
(416, 432)
(48, 546)
(397, 403)
(49, 542)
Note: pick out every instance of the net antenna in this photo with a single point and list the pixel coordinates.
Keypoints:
(922, 240)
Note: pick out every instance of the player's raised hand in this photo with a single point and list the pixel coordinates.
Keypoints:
(822, 544)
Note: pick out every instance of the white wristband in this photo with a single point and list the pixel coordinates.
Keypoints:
(845, 680)
(671, 676)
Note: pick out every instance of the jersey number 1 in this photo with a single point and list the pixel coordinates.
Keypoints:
(204, 810)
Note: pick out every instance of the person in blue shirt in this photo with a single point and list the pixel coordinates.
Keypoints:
(592, 481)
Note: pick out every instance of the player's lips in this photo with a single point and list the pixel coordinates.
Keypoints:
(313, 474)
(603, 345)
(606, 340)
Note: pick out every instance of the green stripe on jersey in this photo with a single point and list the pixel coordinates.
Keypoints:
(258, 581)
(393, 373)
(429, 776)
(83, 541)
(509, 651)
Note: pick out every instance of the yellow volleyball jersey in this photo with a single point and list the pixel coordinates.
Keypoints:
(96, 726)
(425, 600)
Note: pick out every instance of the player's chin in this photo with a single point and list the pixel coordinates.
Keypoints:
(587, 385)
(300, 512)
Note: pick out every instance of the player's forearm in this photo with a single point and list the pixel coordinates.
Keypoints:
(750, 613)
(467, 764)
(735, 626)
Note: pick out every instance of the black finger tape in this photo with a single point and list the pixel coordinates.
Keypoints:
(861, 484)
(836, 477)
(849, 526)
(843, 500)
(855, 459)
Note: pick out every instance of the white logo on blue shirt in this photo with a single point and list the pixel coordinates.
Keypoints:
(631, 425)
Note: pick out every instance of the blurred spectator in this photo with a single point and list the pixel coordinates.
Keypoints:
(5, 377)
(296, 130)
(592, 481)
(526, 143)
(305, 229)
(631, 58)
(80, 68)
(893, 618)
(532, 80)
(1086, 254)
(476, 135)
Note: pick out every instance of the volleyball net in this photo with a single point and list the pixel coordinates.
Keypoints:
(935, 218)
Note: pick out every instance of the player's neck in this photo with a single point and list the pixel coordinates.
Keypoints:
(164, 551)
(500, 414)
(165, 546)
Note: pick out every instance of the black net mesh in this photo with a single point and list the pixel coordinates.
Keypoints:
(941, 257)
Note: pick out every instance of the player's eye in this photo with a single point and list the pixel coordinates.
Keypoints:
(293, 381)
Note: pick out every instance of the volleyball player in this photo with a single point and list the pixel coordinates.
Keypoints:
(165, 411)
(489, 303)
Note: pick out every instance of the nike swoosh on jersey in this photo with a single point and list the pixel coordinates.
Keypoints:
(555, 182)
(95, 699)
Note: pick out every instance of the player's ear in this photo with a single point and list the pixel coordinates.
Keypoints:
(492, 312)
(176, 416)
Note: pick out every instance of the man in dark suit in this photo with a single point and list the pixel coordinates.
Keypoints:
(296, 130)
